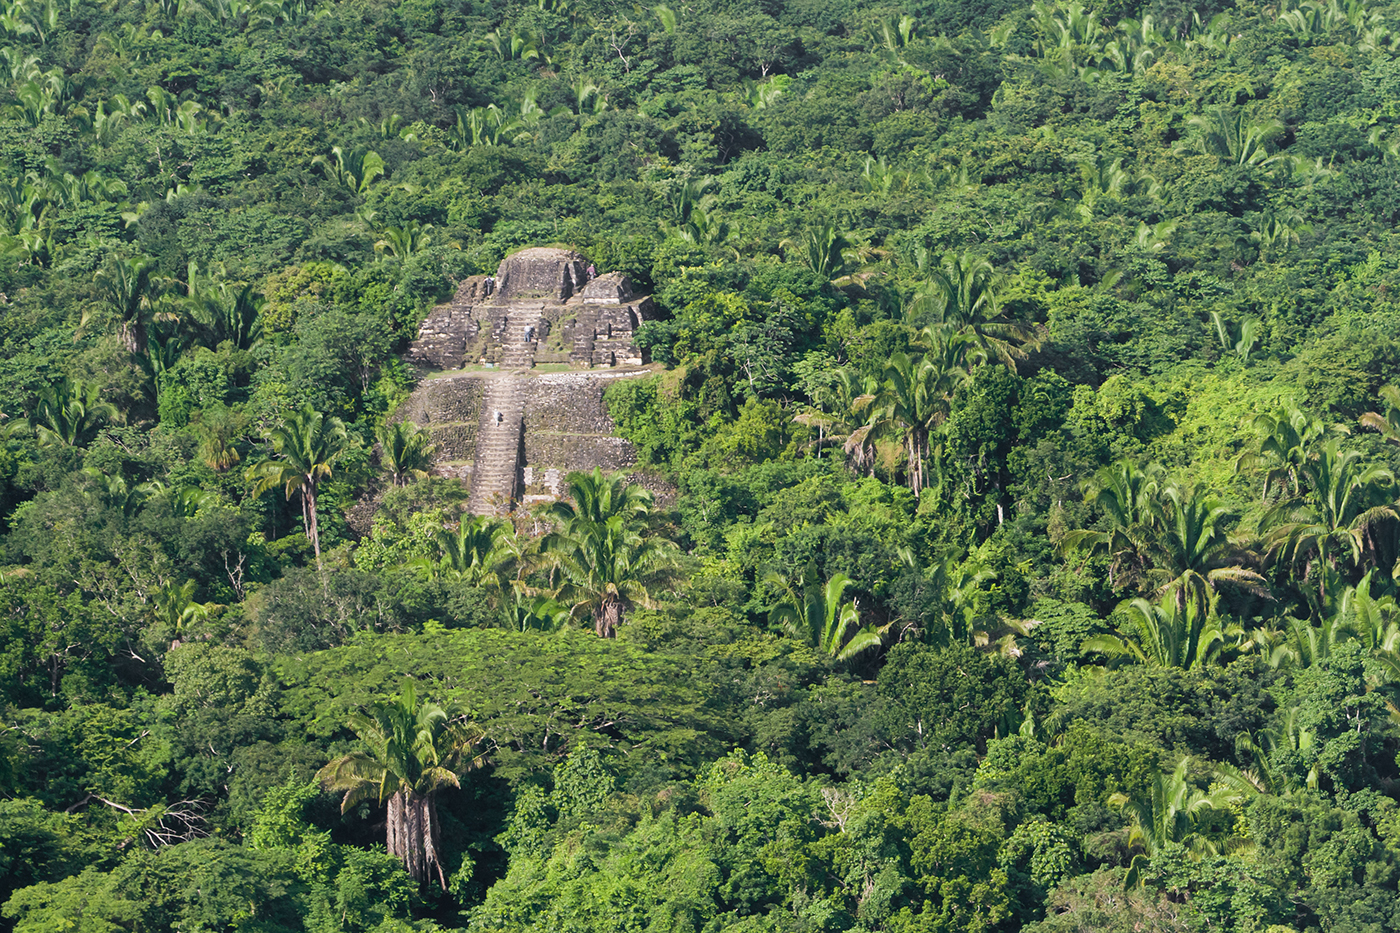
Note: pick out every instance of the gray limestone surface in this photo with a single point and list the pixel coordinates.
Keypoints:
(540, 306)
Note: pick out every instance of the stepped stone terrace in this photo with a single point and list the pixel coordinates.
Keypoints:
(541, 306)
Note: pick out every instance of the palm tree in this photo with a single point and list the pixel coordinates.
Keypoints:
(1388, 424)
(356, 169)
(1288, 439)
(1164, 634)
(685, 200)
(306, 447)
(524, 613)
(1234, 136)
(116, 493)
(176, 610)
(164, 347)
(817, 611)
(1170, 810)
(1127, 495)
(824, 249)
(597, 498)
(914, 400)
(961, 294)
(1300, 644)
(1190, 552)
(604, 549)
(405, 451)
(963, 616)
(402, 242)
(1337, 518)
(126, 288)
(1374, 621)
(223, 311)
(833, 407)
(1359, 616)
(70, 413)
(1279, 751)
(412, 750)
(219, 429)
(478, 549)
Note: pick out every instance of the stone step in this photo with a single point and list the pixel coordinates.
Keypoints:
(496, 465)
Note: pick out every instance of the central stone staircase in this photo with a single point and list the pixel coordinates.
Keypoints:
(496, 464)
(518, 350)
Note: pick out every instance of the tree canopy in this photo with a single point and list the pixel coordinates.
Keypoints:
(1013, 536)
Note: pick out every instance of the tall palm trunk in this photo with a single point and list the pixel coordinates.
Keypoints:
(918, 452)
(313, 531)
(134, 336)
(608, 618)
(413, 835)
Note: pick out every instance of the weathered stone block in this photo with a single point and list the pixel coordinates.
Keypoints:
(565, 427)
(541, 273)
(541, 306)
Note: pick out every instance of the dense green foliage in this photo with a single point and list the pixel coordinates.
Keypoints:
(1025, 374)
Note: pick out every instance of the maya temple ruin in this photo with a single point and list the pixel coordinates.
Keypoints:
(499, 421)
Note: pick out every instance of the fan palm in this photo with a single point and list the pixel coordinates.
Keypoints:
(412, 749)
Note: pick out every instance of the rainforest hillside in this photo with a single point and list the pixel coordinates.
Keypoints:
(1026, 373)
